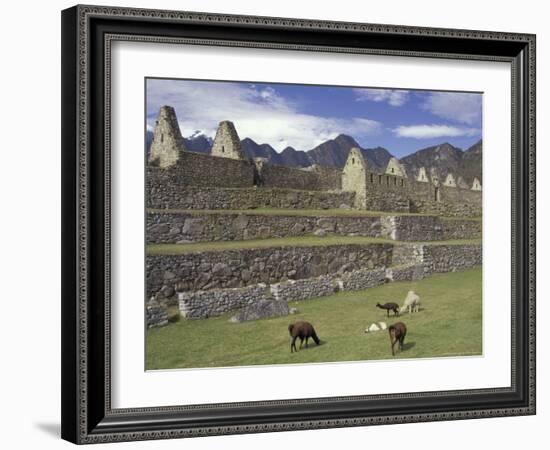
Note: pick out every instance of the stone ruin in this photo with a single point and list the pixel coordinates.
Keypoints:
(255, 282)
(394, 167)
(168, 144)
(227, 143)
(476, 185)
(422, 176)
(450, 180)
(354, 177)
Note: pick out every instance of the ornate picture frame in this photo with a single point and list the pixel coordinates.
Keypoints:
(88, 33)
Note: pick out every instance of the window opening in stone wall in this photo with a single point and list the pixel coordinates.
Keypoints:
(161, 137)
(371, 178)
(223, 149)
(379, 179)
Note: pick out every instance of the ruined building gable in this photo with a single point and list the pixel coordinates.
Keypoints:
(354, 176)
(167, 142)
(227, 143)
(476, 185)
(394, 167)
(450, 181)
(422, 176)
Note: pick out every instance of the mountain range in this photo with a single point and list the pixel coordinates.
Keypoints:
(442, 158)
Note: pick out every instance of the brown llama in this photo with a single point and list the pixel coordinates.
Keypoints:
(397, 331)
(304, 331)
(389, 307)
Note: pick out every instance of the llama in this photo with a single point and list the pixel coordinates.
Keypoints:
(412, 303)
(389, 307)
(304, 331)
(397, 331)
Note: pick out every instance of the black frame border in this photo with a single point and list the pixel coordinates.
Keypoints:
(87, 32)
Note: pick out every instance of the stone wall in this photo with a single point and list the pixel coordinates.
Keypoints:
(306, 289)
(438, 258)
(452, 258)
(169, 195)
(273, 176)
(445, 208)
(387, 193)
(414, 263)
(429, 228)
(445, 201)
(171, 228)
(408, 254)
(298, 290)
(155, 315)
(197, 169)
(330, 178)
(317, 187)
(408, 272)
(461, 228)
(186, 227)
(245, 267)
(215, 302)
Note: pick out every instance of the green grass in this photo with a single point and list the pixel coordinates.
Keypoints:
(449, 324)
(298, 241)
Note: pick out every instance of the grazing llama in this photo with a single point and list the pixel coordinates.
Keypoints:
(397, 331)
(389, 307)
(412, 303)
(304, 331)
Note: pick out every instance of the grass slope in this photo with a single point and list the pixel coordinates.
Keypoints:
(449, 324)
(300, 241)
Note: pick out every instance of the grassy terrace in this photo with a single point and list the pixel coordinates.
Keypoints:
(301, 241)
(448, 324)
(335, 212)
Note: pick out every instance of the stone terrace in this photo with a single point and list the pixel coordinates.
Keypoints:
(224, 232)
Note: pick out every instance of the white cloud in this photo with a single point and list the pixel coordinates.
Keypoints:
(391, 96)
(455, 106)
(258, 112)
(433, 131)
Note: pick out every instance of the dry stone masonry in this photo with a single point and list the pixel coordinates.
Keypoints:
(245, 267)
(227, 143)
(174, 173)
(259, 283)
(174, 228)
(168, 145)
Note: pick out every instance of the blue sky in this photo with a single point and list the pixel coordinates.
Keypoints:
(303, 116)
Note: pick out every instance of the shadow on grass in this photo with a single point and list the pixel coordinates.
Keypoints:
(311, 346)
(408, 345)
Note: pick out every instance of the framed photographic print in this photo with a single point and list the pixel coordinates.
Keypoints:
(282, 224)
